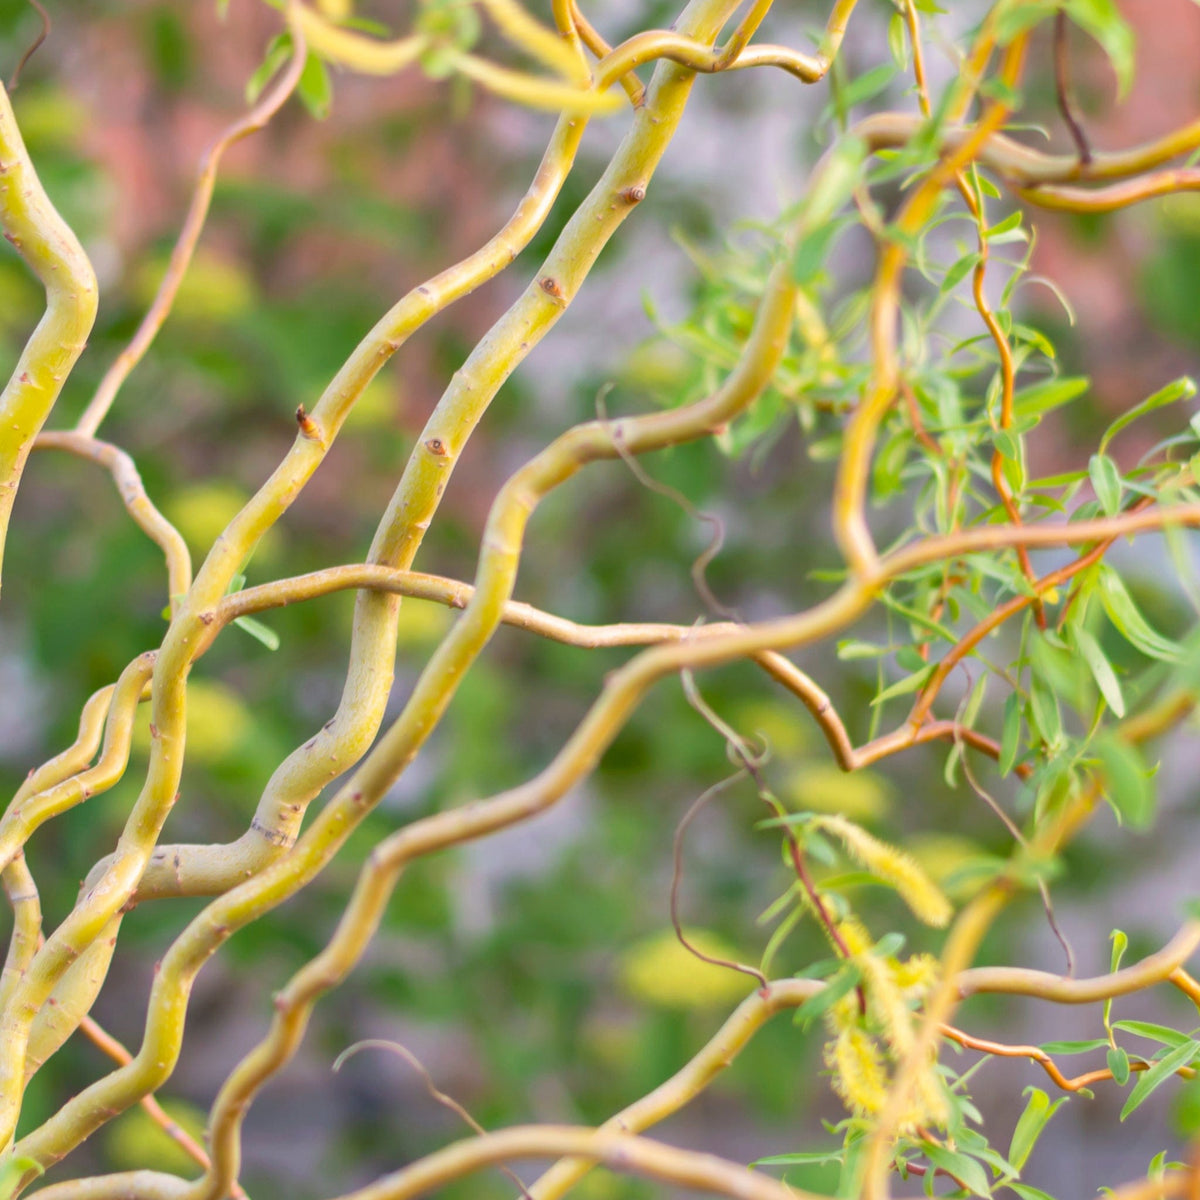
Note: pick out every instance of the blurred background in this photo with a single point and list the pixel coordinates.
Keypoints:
(535, 975)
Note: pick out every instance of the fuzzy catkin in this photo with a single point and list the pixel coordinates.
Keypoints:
(893, 866)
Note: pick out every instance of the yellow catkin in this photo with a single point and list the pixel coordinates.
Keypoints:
(858, 1074)
(927, 1105)
(892, 866)
(842, 1014)
(854, 935)
(916, 975)
(887, 1005)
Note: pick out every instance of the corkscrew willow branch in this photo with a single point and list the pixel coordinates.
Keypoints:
(342, 741)
(420, 489)
(45, 992)
(52, 251)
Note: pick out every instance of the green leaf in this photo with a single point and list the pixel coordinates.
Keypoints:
(1074, 1047)
(1010, 738)
(314, 88)
(851, 649)
(1156, 1033)
(1129, 790)
(814, 1157)
(1120, 943)
(1127, 617)
(1008, 230)
(812, 250)
(866, 86)
(1118, 1064)
(452, 28)
(1006, 442)
(1103, 20)
(1159, 1166)
(1030, 1124)
(14, 1170)
(278, 52)
(1183, 388)
(898, 42)
(258, 631)
(1053, 393)
(1016, 17)
(958, 272)
(910, 683)
(1044, 706)
(889, 945)
(965, 1169)
(1106, 480)
(1029, 1193)
(1101, 669)
(820, 968)
(842, 984)
(1158, 1073)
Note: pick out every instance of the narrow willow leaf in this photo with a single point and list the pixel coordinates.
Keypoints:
(1128, 619)
(1010, 738)
(1120, 943)
(1044, 706)
(849, 1177)
(1035, 337)
(959, 271)
(1156, 1033)
(1106, 480)
(866, 86)
(1053, 393)
(898, 42)
(1159, 1072)
(277, 54)
(1030, 1124)
(13, 1171)
(1029, 1193)
(889, 945)
(909, 684)
(1008, 445)
(842, 984)
(258, 631)
(1012, 221)
(815, 1157)
(812, 250)
(314, 88)
(821, 968)
(1101, 669)
(974, 703)
(1103, 20)
(1183, 388)
(965, 1169)
(850, 649)
(1118, 1064)
(1074, 1047)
